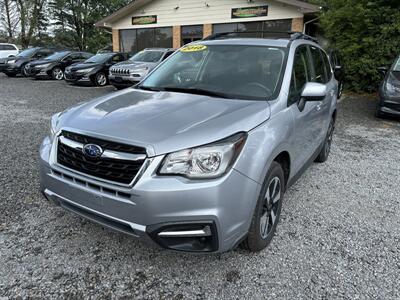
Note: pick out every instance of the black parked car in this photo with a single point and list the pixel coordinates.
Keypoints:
(16, 65)
(53, 66)
(94, 70)
(389, 91)
(339, 71)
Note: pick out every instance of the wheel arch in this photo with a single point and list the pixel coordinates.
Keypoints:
(283, 159)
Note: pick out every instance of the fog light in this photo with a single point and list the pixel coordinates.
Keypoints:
(191, 237)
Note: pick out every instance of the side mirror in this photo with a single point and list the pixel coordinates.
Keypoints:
(314, 91)
(383, 70)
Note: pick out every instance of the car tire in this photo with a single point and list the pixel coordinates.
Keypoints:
(268, 210)
(24, 73)
(57, 74)
(10, 74)
(326, 149)
(100, 79)
(340, 90)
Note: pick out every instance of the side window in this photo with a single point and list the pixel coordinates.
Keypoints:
(301, 74)
(43, 53)
(327, 64)
(168, 54)
(117, 58)
(86, 55)
(7, 47)
(320, 75)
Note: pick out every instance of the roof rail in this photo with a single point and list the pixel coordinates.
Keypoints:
(290, 35)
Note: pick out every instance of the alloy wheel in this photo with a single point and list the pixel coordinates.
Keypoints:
(269, 215)
(101, 79)
(58, 74)
(329, 138)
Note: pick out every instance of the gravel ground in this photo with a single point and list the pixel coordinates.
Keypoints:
(339, 236)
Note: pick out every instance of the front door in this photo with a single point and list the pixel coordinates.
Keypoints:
(305, 115)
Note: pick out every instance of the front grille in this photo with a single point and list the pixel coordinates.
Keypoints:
(122, 72)
(120, 171)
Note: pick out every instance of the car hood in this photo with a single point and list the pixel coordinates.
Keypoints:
(41, 62)
(131, 65)
(163, 122)
(80, 66)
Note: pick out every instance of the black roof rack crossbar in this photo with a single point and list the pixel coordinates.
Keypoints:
(290, 35)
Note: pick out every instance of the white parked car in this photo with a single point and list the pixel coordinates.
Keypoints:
(7, 50)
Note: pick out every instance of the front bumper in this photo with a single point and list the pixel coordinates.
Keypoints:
(123, 81)
(77, 78)
(224, 206)
(389, 106)
(12, 69)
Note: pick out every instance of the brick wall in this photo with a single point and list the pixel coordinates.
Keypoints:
(207, 30)
(176, 36)
(297, 24)
(115, 40)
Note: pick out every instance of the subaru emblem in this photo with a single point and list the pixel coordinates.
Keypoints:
(92, 150)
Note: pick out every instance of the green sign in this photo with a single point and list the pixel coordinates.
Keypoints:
(144, 20)
(250, 12)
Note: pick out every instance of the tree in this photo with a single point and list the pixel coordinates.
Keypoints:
(366, 33)
(31, 13)
(75, 19)
(9, 18)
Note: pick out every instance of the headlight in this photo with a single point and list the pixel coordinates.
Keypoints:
(392, 90)
(53, 126)
(11, 62)
(85, 70)
(209, 161)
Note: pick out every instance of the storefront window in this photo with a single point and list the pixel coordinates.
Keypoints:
(163, 37)
(135, 40)
(191, 33)
(128, 41)
(273, 25)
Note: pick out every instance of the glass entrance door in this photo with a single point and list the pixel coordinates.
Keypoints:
(191, 33)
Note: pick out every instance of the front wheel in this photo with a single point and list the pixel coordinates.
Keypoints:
(101, 79)
(268, 210)
(24, 71)
(57, 74)
(326, 149)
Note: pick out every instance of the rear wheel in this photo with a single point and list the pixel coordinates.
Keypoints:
(268, 210)
(57, 74)
(326, 149)
(101, 79)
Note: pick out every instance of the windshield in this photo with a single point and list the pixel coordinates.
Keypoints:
(147, 56)
(397, 65)
(229, 71)
(57, 55)
(27, 52)
(100, 58)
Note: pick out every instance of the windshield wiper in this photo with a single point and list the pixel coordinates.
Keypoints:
(196, 91)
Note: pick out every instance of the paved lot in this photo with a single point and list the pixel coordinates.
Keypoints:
(339, 236)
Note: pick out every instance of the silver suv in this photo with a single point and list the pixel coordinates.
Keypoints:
(197, 157)
(132, 71)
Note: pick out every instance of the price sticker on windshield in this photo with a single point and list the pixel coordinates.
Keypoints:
(194, 48)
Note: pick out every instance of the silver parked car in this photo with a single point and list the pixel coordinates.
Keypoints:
(133, 70)
(198, 156)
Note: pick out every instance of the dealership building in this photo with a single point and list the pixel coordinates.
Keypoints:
(173, 23)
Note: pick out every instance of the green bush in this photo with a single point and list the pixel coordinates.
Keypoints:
(367, 35)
